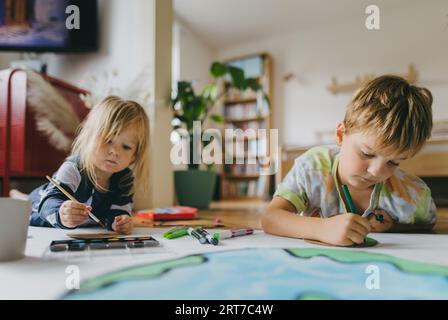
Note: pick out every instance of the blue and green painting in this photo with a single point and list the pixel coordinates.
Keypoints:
(256, 274)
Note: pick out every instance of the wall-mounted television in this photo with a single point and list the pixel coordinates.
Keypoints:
(41, 25)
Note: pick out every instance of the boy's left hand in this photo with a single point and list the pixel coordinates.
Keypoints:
(122, 224)
(380, 226)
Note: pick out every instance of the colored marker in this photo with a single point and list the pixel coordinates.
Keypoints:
(55, 247)
(207, 236)
(192, 232)
(352, 208)
(175, 233)
(348, 198)
(226, 234)
(77, 246)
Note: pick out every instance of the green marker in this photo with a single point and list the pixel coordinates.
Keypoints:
(367, 241)
(175, 233)
(348, 198)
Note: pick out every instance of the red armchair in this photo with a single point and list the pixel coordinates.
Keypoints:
(24, 151)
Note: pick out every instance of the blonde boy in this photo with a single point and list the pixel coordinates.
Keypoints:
(387, 121)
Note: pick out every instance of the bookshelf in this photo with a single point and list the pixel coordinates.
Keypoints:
(245, 110)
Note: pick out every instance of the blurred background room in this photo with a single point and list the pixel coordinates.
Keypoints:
(307, 57)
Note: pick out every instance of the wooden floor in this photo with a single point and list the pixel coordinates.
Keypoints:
(236, 213)
(248, 213)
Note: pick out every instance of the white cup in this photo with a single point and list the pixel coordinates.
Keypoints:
(14, 221)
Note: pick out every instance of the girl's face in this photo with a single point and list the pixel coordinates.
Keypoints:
(361, 166)
(117, 154)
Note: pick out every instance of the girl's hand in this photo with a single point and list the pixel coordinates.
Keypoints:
(344, 229)
(73, 214)
(122, 224)
(376, 223)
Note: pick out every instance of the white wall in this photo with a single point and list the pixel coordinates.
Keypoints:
(128, 44)
(195, 56)
(6, 58)
(191, 61)
(417, 35)
(127, 38)
(162, 193)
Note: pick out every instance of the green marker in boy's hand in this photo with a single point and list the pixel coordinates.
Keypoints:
(363, 136)
(348, 198)
(367, 241)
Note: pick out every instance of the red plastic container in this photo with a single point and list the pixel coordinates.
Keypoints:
(169, 213)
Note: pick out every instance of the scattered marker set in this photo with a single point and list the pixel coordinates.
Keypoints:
(132, 242)
(204, 237)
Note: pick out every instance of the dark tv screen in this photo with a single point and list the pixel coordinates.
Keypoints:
(49, 25)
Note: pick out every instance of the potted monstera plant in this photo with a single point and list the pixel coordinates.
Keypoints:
(195, 187)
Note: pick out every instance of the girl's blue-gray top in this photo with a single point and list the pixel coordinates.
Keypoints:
(47, 199)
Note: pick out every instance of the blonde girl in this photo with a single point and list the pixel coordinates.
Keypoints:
(109, 161)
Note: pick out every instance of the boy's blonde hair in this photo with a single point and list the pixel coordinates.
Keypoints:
(398, 113)
(105, 121)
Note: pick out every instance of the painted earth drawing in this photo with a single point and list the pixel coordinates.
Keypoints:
(256, 274)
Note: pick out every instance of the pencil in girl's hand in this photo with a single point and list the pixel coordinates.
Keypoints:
(91, 215)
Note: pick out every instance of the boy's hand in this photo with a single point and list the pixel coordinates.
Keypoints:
(73, 214)
(345, 229)
(376, 223)
(122, 224)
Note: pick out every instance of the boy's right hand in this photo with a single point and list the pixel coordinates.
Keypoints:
(73, 213)
(345, 229)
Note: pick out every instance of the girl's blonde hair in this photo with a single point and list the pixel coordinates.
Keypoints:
(104, 122)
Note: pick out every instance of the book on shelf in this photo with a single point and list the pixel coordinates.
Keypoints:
(246, 110)
(241, 110)
(262, 186)
(242, 169)
(244, 125)
(253, 188)
(246, 150)
(234, 94)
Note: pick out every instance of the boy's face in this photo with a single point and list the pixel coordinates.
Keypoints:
(117, 154)
(361, 164)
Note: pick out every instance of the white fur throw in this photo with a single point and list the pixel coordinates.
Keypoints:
(54, 115)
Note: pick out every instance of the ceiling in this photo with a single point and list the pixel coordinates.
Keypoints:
(223, 23)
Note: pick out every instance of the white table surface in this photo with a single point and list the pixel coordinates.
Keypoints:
(43, 276)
